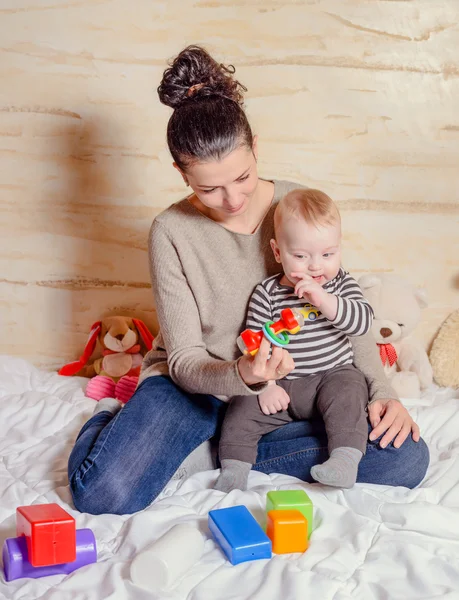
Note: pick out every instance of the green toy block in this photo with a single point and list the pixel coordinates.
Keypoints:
(291, 500)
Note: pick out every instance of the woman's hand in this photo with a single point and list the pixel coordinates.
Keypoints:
(260, 368)
(391, 416)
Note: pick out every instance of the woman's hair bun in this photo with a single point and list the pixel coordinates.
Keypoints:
(194, 75)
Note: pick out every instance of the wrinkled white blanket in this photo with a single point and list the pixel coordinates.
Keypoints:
(369, 542)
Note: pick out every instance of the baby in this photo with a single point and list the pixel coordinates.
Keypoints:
(307, 243)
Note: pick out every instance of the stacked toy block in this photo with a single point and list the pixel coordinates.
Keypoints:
(288, 531)
(47, 543)
(289, 520)
(289, 525)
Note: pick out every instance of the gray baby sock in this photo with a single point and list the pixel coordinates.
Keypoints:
(203, 458)
(340, 470)
(233, 476)
(108, 404)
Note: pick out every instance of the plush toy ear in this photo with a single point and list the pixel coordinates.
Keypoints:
(144, 333)
(421, 296)
(368, 281)
(73, 367)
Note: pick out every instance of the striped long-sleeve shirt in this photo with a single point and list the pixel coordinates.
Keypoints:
(321, 344)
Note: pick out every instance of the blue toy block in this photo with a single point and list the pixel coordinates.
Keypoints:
(239, 535)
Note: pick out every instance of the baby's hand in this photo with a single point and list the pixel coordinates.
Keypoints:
(273, 400)
(309, 289)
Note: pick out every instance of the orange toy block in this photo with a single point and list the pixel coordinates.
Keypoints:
(288, 531)
(50, 532)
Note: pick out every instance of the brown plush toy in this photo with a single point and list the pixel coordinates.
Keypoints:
(116, 373)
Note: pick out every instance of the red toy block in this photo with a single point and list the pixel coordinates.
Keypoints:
(50, 532)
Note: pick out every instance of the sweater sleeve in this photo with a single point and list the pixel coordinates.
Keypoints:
(190, 365)
(354, 315)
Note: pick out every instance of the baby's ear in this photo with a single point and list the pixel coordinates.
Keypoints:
(275, 249)
(421, 296)
(369, 281)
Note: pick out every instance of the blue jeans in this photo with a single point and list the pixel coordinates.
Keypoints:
(120, 463)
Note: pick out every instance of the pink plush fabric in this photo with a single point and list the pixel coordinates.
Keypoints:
(125, 388)
(102, 386)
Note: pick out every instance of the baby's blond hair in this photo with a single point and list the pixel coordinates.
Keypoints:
(313, 206)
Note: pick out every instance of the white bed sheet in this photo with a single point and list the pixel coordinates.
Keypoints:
(369, 542)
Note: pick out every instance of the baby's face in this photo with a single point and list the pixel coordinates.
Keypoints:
(304, 248)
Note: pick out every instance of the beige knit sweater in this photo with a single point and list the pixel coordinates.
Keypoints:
(202, 278)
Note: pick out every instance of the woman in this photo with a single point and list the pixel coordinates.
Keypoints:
(207, 253)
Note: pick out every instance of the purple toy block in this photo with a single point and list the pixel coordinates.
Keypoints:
(16, 564)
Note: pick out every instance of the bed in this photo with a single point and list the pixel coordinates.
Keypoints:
(369, 542)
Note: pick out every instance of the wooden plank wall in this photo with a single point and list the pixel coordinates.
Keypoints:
(359, 98)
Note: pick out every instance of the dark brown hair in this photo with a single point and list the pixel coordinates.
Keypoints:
(208, 121)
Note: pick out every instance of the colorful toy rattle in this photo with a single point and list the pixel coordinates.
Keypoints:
(291, 320)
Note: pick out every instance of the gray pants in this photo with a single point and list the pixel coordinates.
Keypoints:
(340, 395)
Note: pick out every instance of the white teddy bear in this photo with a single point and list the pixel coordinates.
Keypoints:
(397, 307)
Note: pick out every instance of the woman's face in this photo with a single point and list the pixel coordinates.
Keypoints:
(225, 187)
